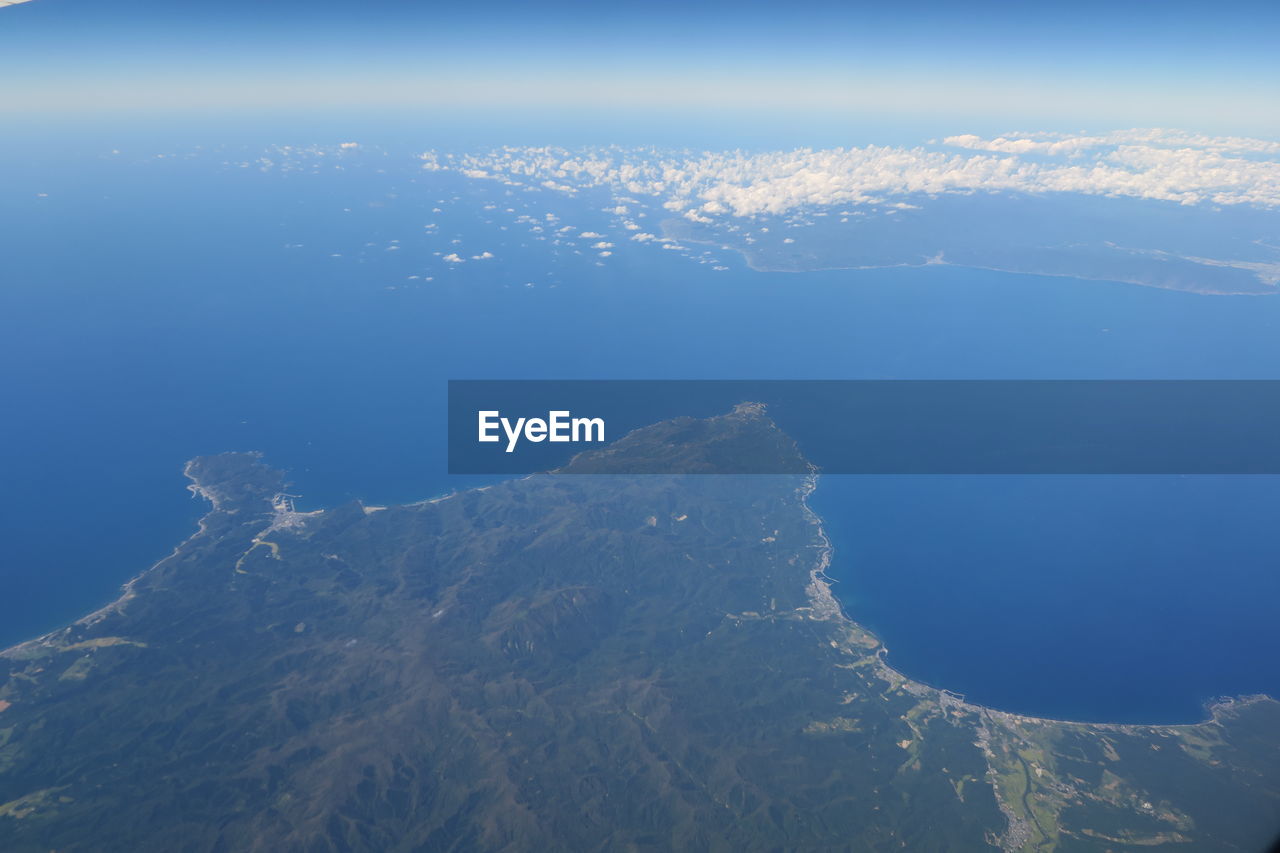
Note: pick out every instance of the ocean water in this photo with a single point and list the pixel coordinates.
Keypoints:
(159, 308)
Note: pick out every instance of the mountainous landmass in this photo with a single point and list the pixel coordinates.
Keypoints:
(570, 661)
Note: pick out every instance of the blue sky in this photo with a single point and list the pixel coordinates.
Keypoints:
(973, 66)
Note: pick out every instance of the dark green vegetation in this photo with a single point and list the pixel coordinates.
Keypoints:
(560, 663)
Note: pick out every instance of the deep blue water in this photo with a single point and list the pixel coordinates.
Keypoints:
(151, 312)
(1132, 599)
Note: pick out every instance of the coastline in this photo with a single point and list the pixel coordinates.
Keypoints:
(1023, 764)
(127, 589)
(754, 262)
(826, 606)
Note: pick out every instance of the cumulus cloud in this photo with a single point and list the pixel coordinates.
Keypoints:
(454, 258)
(1158, 164)
(1064, 144)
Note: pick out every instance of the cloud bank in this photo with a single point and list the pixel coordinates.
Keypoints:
(1157, 164)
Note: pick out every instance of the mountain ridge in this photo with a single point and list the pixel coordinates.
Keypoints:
(559, 662)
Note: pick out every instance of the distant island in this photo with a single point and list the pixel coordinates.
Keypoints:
(1090, 238)
(561, 662)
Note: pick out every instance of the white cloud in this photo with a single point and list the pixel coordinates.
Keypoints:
(454, 258)
(1025, 145)
(1059, 144)
(1156, 164)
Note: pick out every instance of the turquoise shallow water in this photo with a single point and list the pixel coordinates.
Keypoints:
(154, 312)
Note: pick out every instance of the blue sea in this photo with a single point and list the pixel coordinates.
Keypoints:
(156, 308)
